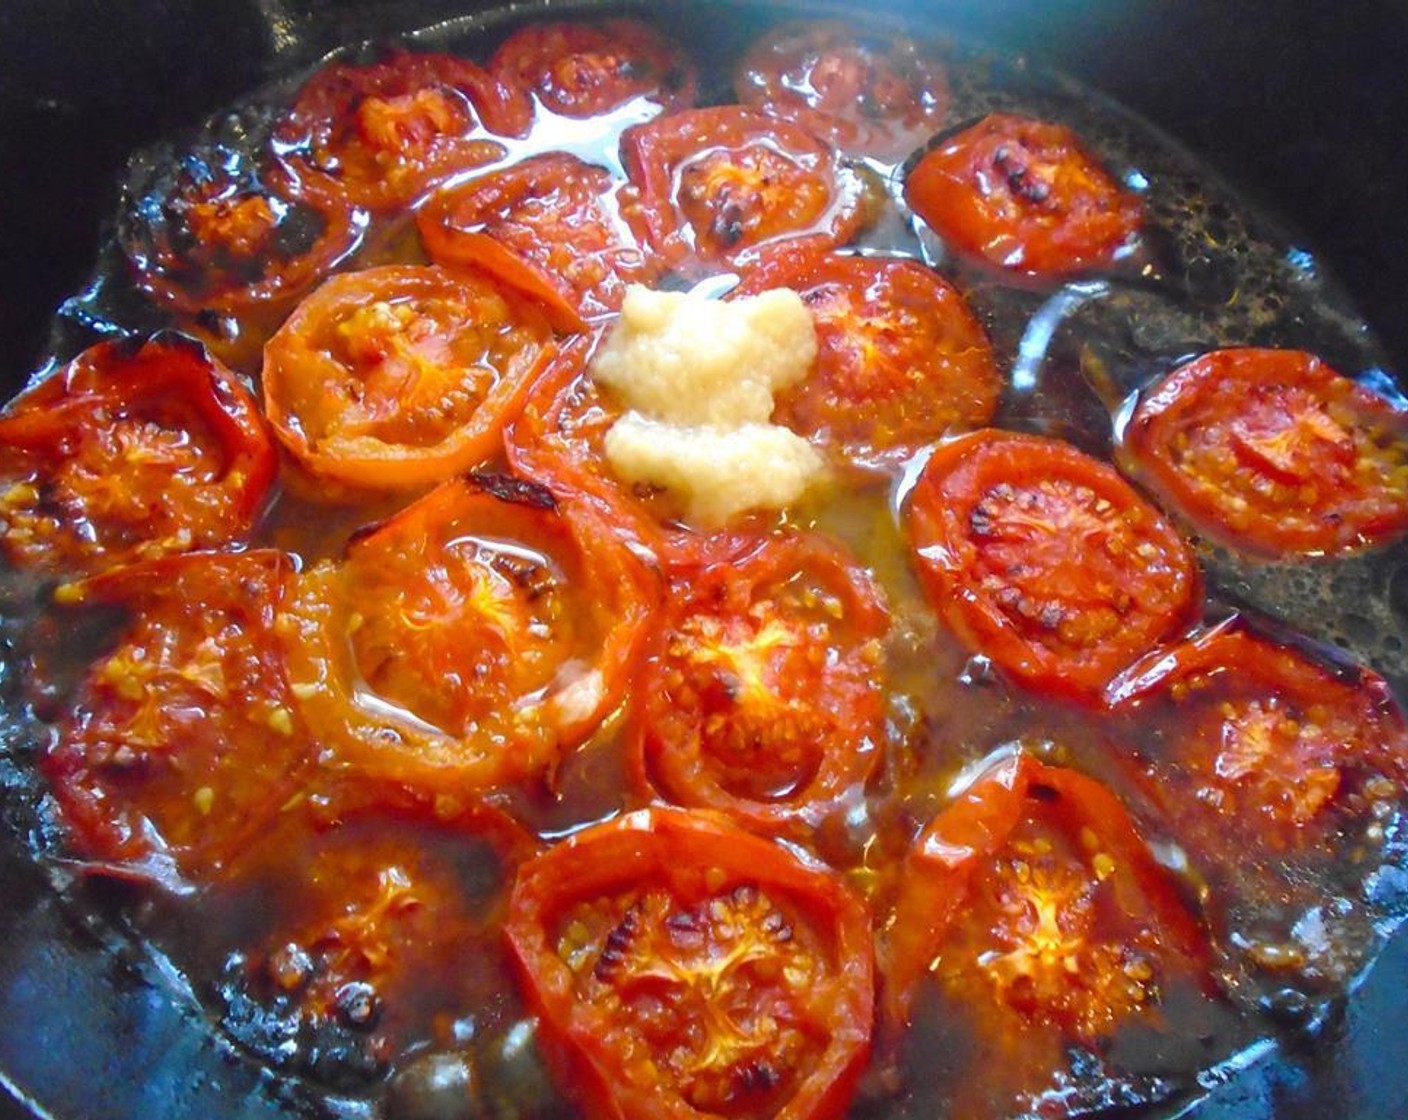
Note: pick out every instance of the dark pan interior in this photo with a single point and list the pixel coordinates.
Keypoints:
(1302, 104)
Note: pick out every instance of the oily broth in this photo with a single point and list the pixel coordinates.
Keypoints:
(1211, 273)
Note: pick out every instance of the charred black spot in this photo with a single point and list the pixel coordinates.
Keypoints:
(618, 944)
(520, 491)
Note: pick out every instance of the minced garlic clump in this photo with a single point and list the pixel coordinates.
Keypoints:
(698, 378)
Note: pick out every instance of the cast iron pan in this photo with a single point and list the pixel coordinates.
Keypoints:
(1301, 104)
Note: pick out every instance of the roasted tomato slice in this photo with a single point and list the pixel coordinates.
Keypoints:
(402, 375)
(135, 449)
(901, 360)
(183, 742)
(1274, 452)
(1269, 770)
(763, 693)
(379, 136)
(876, 96)
(386, 934)
(686, 969)
(206, 232)
(470, 640)
(585, 69)
(1024, 195)
(1032, 921)
(549, 225)
(711, 186)
(1045, 560)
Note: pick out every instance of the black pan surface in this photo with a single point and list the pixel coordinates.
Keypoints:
(1302, 104)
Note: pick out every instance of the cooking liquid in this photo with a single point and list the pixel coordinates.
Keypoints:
(1209, 273)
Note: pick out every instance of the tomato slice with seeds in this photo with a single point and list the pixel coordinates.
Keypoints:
(1045, 560)
(763, 694)
(685, 968)
(1024, 195)
(471, 640)
(183, 742)
(1032, 914)
(584, 70)
(1261, 763)
(711, 186)
(549, 225)
(135, 449)
(379, 136)
(402, 375)
(872, 95)
(388, 932)
(1274, 452)
(901, 360)
(207, 232)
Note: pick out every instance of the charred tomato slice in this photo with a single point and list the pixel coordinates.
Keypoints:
(386, 936)
(873, 95)
(549, 225)
(763, 695)
(135, 449)
(1274, 452)
(1046, 561)
(402, 375)
(684, 968)
(1274, 773)
(183, 742)
(208, 232)
(585, 70)
(1024, 195)
(471, 640)
(709, 187)
(379, 136)
(1031, 923)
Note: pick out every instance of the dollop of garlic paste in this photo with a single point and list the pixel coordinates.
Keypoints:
(697, 377)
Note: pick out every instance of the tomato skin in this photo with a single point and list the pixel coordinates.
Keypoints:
(1025, 544)
(691, 859)
(135, 449)
(379, 136)
(471, 640)
(183, 742)
(901, 359)
(211, 234)
(1024, 195)
(709, 187)
(1035, 908)
(762, 694)
(876, 97)
(403, 375)
(1273, 452)
(584, 70)
(549, 225)
(1262, 755)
